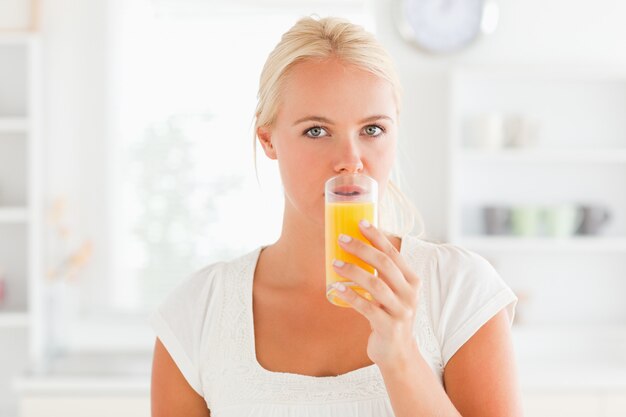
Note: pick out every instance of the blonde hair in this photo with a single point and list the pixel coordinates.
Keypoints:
(324, 38)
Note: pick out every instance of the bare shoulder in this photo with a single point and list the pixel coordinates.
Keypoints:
(170, 394)
(481, 377)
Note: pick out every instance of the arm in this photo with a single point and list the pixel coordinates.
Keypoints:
(480, 379)
(170, 393)
(414, 390)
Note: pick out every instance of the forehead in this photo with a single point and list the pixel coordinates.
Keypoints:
(335, 90)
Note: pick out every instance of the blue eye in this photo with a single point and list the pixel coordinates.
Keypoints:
(315, 132)
(372, 130)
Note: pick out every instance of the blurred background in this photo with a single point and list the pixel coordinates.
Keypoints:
(126, 163)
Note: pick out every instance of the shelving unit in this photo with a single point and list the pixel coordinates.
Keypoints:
(20, 207)
(578, 156)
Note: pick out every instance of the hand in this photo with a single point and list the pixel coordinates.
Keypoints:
(395, 292)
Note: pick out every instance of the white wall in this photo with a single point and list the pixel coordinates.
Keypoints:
(74, 128)
(556, 31)
(530, 31)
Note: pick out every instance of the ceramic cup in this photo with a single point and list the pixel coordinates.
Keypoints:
(522, 131)
(595, 218)
(497, 220)
(485, 131)
(526, 220)
(563, 220)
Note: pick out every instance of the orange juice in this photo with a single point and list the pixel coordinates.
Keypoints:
(344, 217)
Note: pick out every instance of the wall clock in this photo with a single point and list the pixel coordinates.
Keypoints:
(445, 26)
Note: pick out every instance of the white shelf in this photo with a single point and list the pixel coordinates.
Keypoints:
(13, 215)
(13, 319)
(536, 72)
(14, 124)
(527, 244)
(542, 156)
(17, 38)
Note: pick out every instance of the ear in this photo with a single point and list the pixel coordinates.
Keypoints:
(265, 137)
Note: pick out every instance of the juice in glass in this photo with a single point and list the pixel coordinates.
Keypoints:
(349, 198)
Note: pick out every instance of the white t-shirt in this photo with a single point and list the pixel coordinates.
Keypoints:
(206, 325)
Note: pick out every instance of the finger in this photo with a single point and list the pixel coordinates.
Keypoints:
(373, 313)
(378, 239)
(372, 284)
(386, 267)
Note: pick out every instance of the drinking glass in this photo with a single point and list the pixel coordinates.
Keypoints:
(349, 198)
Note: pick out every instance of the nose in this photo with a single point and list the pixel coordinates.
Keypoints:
(348, 157)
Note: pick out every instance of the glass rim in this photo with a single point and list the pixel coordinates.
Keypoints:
(366, 190)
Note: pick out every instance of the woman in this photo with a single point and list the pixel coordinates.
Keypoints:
(257, 336)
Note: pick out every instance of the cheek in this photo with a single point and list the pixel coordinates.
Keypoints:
(382, 158)
(295, 161)
(381, 166)
(299, 170)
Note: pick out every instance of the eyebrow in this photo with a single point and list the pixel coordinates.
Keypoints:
(328, 121)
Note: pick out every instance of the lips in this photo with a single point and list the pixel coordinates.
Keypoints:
(349, 190)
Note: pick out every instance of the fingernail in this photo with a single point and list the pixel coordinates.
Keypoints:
(365, 223)
(345, 238)
(338, 263)
(339, 286)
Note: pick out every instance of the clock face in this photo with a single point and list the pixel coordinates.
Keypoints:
(441, 25)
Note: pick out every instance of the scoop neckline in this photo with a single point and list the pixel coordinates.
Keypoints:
(252, 347)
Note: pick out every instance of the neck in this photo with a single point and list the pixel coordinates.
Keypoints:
(296, 261)
(299, 253)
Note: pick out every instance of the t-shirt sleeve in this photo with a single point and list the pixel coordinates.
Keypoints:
(466, 292)
(178, 323)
